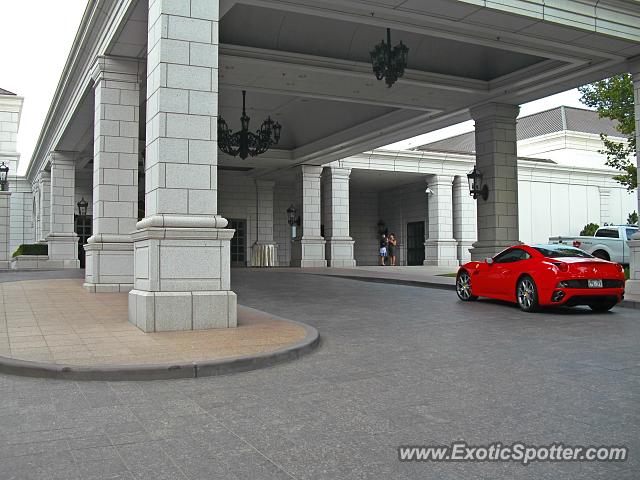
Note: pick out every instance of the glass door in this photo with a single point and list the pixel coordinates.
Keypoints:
(415, 243)
(238, 243)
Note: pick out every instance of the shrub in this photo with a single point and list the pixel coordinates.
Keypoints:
(32, 249)
(589, 230)
(632, 219)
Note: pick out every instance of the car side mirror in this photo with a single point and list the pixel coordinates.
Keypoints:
(489, 261)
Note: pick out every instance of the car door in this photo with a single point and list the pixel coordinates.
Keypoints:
(503, 274)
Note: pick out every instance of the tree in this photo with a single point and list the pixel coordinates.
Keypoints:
(632, 219)
(613, 98)
(589, 230)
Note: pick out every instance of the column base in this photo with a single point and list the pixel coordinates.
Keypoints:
(339, 252)
(180, 311)
(464, 255)
(109, 265)
(484, 249)
(63, 250)
(308, 252)
(182, 274)
(441, 253)
(632, 286)
(264, 255)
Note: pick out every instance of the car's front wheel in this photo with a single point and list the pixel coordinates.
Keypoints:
(527, 294)
(463, 287)
(603, 306)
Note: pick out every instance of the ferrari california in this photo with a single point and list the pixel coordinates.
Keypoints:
(543, 275)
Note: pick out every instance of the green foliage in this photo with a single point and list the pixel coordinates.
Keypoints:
(589, 230)
(632, 219)
(613, 98)
(32, 249)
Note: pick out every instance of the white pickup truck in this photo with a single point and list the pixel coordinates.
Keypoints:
(609, 242)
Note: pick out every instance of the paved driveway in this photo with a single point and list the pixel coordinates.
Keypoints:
(398, 365)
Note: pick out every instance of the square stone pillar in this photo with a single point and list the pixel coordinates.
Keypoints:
(43, 202)
(308, 248)
(5, 229)
(264, 251)
(62, 239)
(464, 218)
(335, 195)
(109, 251)
(181, 247)
(440, 248)
(497, 160)
(632, 286)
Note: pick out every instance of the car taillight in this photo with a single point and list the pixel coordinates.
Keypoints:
(620, 267)
(563, 267)
(577, 243)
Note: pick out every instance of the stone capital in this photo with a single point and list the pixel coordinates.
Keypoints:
(494, 110)
(119, 69)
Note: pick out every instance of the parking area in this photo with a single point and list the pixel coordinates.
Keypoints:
(398, 365)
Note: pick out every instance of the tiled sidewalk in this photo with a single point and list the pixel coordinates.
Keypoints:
(57, 321)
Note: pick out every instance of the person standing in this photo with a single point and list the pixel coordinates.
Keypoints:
(391, 248)
(384, 243)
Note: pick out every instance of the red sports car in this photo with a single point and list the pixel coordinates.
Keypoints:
(543, 275)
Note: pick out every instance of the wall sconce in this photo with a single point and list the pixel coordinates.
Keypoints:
(82, 208)
(4, 173)
(476, 188)
(293, 220)
(428, 190)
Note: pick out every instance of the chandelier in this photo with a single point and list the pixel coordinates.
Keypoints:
(244, 143)
(389, 63)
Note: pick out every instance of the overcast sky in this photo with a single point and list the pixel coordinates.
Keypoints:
(36, 36)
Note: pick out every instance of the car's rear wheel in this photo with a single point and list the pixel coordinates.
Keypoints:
(603, 306)
(527, 294)
(463, 287)
(601, 254)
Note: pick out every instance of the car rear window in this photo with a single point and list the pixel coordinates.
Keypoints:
(608, 233)
(562, 251)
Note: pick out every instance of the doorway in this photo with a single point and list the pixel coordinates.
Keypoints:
(415, 243)
(83, 228)
(238, 243)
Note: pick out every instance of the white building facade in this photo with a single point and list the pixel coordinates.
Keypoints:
(133, 129)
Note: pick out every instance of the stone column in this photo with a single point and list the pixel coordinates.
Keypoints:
(181, 247)
(440, 248)
(497, 160)
(264, 253)
(109, 251)
(43, 181)
(464, 218)
(632, 286)
(5, 229)
(308, 247)
(62, 239)
(339, 246)
(605, 200)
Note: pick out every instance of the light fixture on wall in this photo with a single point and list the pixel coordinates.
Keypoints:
(4, 176)
(82, 208)
(389, 62)
(243, 142)
(476, 188)
(429, 191)
(293, 220)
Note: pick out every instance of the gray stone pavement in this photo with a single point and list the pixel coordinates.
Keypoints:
(398, 365)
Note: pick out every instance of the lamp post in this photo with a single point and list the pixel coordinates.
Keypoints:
(293, 220)
(476, 188)
(4, 175)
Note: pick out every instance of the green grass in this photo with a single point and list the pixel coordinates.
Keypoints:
(447, 275)
(626, 272)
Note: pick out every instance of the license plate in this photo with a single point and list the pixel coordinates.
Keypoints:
(595, 283)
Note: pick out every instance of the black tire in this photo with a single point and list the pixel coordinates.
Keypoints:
(463, 286)
(527, 294)
(601, 254)
(603, 306)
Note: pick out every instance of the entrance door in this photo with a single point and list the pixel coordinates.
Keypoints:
(415, 243)
(239, 243)
(83, 228)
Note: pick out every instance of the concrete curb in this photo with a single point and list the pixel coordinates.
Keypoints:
(203, 368)
(395, 281)
(441, 286)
